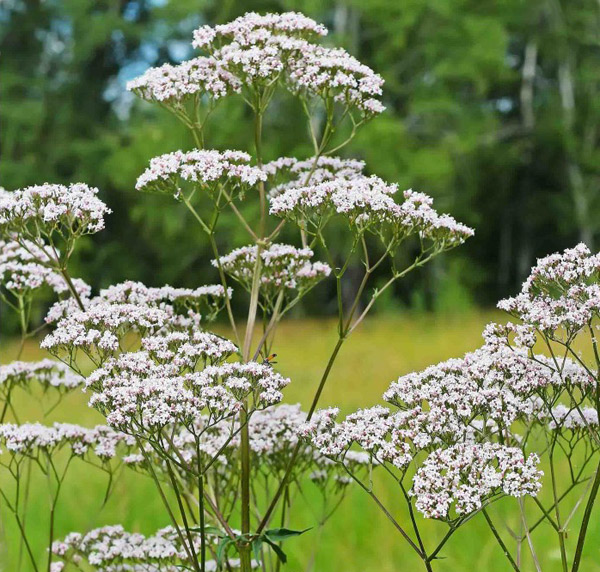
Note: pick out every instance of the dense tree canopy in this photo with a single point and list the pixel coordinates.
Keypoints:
(493, 109)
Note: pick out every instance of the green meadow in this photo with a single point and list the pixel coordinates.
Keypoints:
(358, 538)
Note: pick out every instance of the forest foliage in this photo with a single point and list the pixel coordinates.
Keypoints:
(492, 108)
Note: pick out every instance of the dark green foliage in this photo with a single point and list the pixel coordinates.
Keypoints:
(493, 109)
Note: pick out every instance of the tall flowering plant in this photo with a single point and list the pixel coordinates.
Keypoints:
(556, 313)
(459, 436)
(201, 414)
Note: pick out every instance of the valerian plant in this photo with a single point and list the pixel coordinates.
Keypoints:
(459, 436)
(202, 415)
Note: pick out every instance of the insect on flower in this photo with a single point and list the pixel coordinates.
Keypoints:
(269, 359)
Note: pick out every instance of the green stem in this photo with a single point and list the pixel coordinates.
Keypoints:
(500, 541)
(586, 520)
(265, 521)
(244, 547)
(560, 531)
(27, 545)
(261, 184)
(72, 289)
(202, 524)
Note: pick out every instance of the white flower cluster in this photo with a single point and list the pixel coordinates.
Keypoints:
(19, 267)
(207, 169)
(255, 48)
(498, 385)
(275, 430)
(108, 318)
(527, 374)
(32, 439)
(188, 349)
(100, 329)
(25, 266)
(354, 198)
(204, 301)
(417, 214)
(136, 393)
(453, 413)
(47, 373)
(283, 267)
(112, 549)
(242, 380)
(293, 173)
(250, 28)
(463, 477)
(258, 50)
(453, 401)
(573, 418)
(385, 436)
(332, 73)
(40, 211)
(174, 85)
(367, 202)
(281, 46)
(562, 293)
(447, 398)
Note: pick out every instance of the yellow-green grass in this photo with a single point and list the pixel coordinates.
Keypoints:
(358, 538)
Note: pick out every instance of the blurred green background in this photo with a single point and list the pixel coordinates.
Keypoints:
(492, 108)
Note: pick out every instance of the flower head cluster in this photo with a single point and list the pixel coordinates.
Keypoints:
(573, 419)
(255, 48)
(25, 266)
(204, 301)
(358, 199)
(47, 373)
(463, 477)
(42, 211)
(367, 203)
(205, 169)
(561, 294)
(175, 85)
(486, 391)
(241, 381)
(108, 318)
(292, 173)
(417, 213)
(448, 400)
(137, 393)
(34, 439)
(333, 74)
(383, 435)
(111, 548)
(188, 350)
(259, 50)
(100, 329)
(528, 374)
(284, 267)
(453, 413)
(252, 27)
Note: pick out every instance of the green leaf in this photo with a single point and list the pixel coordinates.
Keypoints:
(281, 534)
(224, 544)
(209, 530)
(280, 553)
(256, 548)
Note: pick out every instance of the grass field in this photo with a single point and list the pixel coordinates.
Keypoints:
(358, 538)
